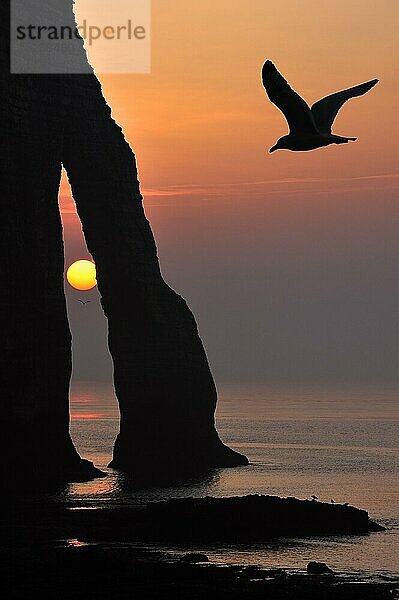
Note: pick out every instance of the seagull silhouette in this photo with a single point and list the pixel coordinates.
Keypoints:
(84, 302)
(310, 128)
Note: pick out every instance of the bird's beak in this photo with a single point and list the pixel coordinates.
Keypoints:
(273, 149)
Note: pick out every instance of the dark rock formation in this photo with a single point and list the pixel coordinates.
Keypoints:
(103, 572)
(194, 557)
(35, 357)
(162, 379)
(318, 568)
(250, 519)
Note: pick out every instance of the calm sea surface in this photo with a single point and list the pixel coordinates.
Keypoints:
(340, 444)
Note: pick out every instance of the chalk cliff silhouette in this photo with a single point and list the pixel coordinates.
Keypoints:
(162, 379)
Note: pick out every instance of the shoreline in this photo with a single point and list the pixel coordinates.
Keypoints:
(113, 571)
(109, 552)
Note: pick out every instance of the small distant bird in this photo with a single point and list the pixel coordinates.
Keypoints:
(314, 497)
(84, 302)
(332, 501)
(310, 128)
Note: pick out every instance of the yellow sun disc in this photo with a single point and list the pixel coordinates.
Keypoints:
(81, 275)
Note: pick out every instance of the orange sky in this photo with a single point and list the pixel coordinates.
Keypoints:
(202, 117)
(200, 125)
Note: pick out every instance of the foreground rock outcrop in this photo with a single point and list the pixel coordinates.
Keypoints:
(244, 519)
(105, 572)
(236, 520)
(318, 568)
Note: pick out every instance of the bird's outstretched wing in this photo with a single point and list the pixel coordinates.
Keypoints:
(325, 110)
(294, 108)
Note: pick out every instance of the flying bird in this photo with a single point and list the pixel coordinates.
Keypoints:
(310, 128)
(84, 302)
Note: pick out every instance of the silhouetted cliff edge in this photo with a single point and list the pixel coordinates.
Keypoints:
(163, 382)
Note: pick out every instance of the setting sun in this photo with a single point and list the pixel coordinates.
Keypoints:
(81, 275)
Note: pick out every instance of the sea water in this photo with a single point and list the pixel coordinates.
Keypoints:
(339, 444)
